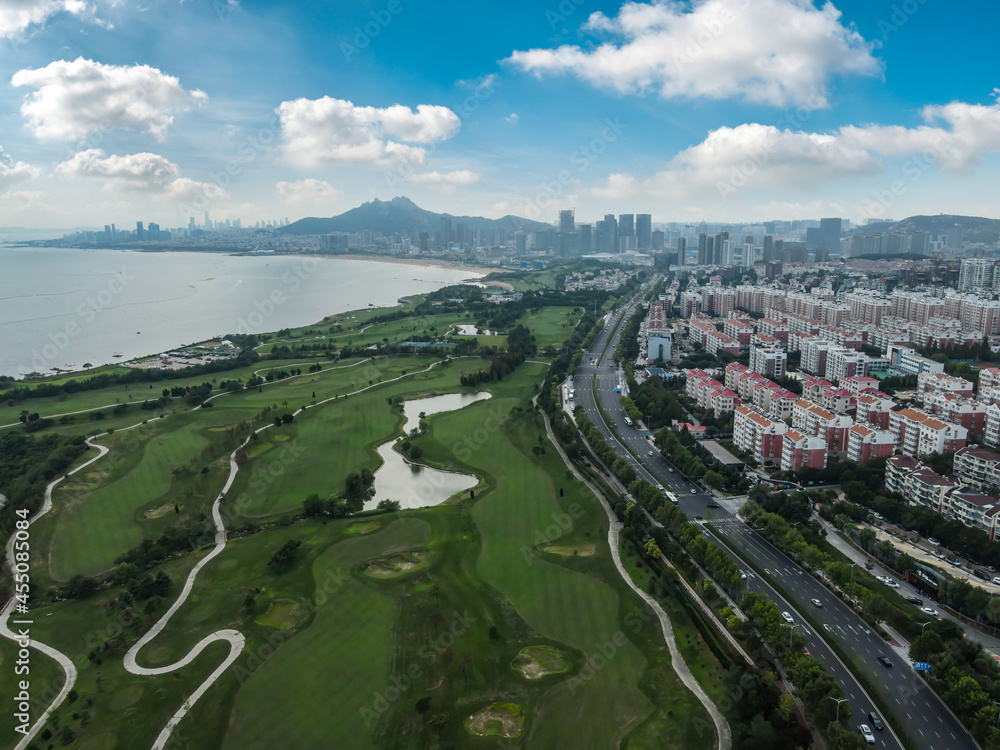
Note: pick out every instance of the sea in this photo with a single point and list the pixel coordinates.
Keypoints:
(62, 308)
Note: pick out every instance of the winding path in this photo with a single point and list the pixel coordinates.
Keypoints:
(236, 640)
(680, 666)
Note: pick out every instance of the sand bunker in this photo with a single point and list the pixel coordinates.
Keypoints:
(535, 662)
(498, 720)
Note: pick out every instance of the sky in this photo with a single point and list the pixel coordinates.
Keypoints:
(715, 110)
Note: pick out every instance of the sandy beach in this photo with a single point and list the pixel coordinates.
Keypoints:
(429, 263)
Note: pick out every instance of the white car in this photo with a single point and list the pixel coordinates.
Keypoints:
(892, 584)
(883, 579)
(929, 611)
(934, 542)
(866, 734)
(817, 603)
(787, 617)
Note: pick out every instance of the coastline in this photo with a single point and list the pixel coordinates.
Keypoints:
(428, 263)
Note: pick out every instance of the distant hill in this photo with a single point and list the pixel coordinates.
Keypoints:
(404, 216)
(974, 228)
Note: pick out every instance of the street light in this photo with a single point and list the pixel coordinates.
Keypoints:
(839, 701)
(791, 630)
(853, 565)
(924, 625)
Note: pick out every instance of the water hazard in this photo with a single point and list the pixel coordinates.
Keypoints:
(413, 485)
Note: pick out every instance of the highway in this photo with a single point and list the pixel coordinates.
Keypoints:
(927, 721)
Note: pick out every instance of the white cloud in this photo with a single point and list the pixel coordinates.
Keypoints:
(73, 98)
(328, 130)
(459, 177)
(309, 192)
(17, 15)
(512, 118)
(772, 51)
(13, 173)
(145, 172)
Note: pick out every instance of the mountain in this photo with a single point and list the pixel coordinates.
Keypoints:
(974, 228)
(404, 216)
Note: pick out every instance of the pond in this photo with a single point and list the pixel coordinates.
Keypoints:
(413, 485)
(471, 330)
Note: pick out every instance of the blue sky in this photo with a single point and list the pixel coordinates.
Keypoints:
(723, 110)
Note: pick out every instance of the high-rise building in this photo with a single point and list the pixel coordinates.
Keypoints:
(920, 243)
(829, 234)
(769, 249)
(976, 273)
(706, 245)
(425, 242)
(644, 231)
(585, 239)
(719, 250)
(611, 229)
(682, 250)
(446, 235)
(658, 241)
(567, 221)
(521, 242)
(822, 254)
(626, 225)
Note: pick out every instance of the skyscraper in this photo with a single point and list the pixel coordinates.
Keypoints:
(644, 231)
(658, 240)
(626, 225)
(567, 223)
(682, 250)
(719, 249)
(611, 229)
(769, 255)
(585, 238)
(445, 231)
(829, 234)
(706, 249)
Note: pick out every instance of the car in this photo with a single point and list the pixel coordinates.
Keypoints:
(892, 584)
(787, 617)
(934, 542)
(939, 555)
(956, 563)
(914, 600)
(929, 611)
(980, 573)
(876, 721)
(661, 488)
(713, 504)
(885, 661)
(817, 603)
(694, 492)
(652, 453)
(743, 574)
(866, 734)
(670, 470)
(997, 580)
(883, 579)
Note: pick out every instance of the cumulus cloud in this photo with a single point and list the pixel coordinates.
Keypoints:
(321, 131)
(765, 157)
(771, 51)
(459, 177)
(13, 173)
(73, 98)
(307, 192)
(512, 118)
(147, 172)
(17, 15)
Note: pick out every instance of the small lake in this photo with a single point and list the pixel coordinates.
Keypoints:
(471, 330)
(416, 486)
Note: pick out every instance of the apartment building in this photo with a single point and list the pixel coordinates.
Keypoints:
(758, 435)
(812, 419)
(845, 363)
(978, 468)
(874, 409)
(799, 451)
(777, 330)
(920, 434)
(858, 384)
(952, 408)
(938, 381)
(769, 361)
(866, 443)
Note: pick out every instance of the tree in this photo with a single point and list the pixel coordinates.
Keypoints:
(312, 505)
(713, 479)
(786, 707)
(388, 505)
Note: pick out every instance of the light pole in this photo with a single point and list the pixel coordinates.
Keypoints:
(791, 630)
(924, 625)
(853, 565)
(839, 701)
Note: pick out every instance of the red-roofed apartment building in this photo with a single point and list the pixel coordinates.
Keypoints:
(800, 452)
(757, 435)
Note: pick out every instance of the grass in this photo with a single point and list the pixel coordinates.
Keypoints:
(551, 325)
(337, 657)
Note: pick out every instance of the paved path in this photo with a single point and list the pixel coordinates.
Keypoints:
(676, 659)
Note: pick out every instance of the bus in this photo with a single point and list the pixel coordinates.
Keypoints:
(672, 497)
(628, 421)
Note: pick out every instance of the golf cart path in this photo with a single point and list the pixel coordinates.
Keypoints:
(236, 640)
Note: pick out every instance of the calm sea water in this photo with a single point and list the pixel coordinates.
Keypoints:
(61, 308)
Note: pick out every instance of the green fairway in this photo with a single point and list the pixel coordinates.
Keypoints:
(551, 325)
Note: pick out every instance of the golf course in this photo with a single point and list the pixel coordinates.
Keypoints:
(494, 615)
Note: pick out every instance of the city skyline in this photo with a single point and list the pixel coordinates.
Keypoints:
(251, 110)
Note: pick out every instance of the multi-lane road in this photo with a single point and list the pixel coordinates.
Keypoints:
(916, 711)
